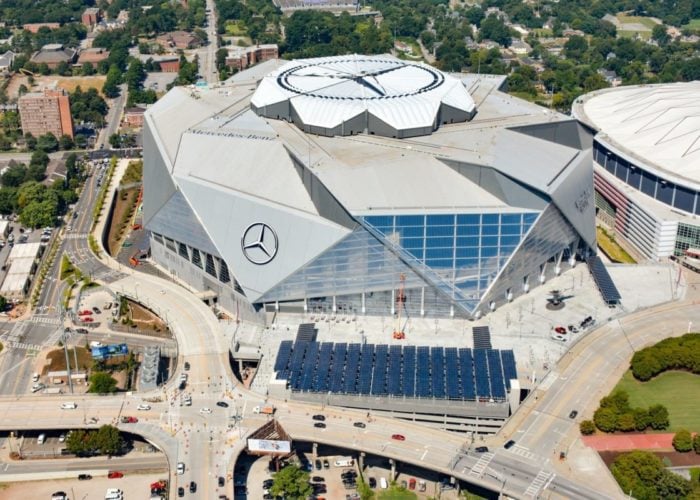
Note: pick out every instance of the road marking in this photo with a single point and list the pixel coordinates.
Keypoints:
(548, 381)
(47, 320)
(537, 484)
(483, 462)
(423, 455)
(523, 452)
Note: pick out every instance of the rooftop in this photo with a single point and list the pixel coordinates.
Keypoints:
(657, 124)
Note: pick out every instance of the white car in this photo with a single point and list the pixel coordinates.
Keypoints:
(143, 407)
(37, 387)
(68, 406)
(205, 411)
(95, 343)
(180, 468)
(62, 438)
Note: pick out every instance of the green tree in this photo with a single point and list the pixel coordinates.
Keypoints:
(641, 418)
(682, 441)
(66, 142)
(108, 440)
(696, 443)
(643, 476)
(15, 175)
(115, 141)
(625, 422)
(493, 28)
(605, 419)
(30, 141)
(88, 69)
(111, 85)
(102, 383)
(47, 143)
(291, 482)
(659, 34)
(3, 303)
(658, 417)
(365, 491)
(78, 442)
(587, 427)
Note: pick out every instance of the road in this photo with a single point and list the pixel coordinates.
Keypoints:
(207, 55)
(112, 120)
(80, 465)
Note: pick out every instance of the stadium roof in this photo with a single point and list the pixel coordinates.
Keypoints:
(657, 124)
(343, 95)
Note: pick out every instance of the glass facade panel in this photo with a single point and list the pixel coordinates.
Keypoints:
(634, 177)
(648, 184)
(684, 199)
(664, 192)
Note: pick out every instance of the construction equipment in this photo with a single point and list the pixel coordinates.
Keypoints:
(400, 304)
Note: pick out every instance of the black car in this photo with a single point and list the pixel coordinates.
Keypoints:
(81, 330)
(320, 418)
(361, 425)
(267, 483)
(182, 385)
(319, 488)
(187, 366)
(320, 425)
(181, 492)
(326, 465)
(222, 481)
(84, 477)
(96, 310)
(222, 404)
(193, 487)
(372, 482)
(267, 496)
(573, 414)
(509, 444)
(317, 479)
(482, 449)
(318, 464)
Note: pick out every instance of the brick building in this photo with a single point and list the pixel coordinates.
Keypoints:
(178, 40)
(44, 112)
(133, 117)
(242, 57)
(91, 17)
(93, 56)
(34, 27)
(54, 54)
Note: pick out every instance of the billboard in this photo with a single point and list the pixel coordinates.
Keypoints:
(269, 446)
(107, 351)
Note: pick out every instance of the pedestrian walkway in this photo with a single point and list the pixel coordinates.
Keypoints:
(629, 442)
(540, 482)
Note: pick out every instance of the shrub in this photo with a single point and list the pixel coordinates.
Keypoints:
(680, 353)
(587, 427)
(682, 441)
(658, 417)
(696, 443)
(605, 419)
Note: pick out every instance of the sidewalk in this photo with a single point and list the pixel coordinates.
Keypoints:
(620, 442)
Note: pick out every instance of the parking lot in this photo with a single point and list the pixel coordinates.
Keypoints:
(134, 486)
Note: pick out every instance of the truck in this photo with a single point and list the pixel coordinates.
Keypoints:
(264, 410)
(344, 462)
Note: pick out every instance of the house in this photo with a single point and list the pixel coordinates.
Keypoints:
(402, 47)
(520, 29)
(34, 27)
(91, 16)
(94, 56)
(178, 40)
(6, 61)
(54, 54)
(242, 57)
(610, 77)
(519, 47)
(133, 117)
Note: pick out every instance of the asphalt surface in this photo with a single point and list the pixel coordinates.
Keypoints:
(207, 55)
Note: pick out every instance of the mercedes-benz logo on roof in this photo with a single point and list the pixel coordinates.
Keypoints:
(259, 243)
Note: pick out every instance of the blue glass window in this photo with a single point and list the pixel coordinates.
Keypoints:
(634, 177)
(440, 220)
(438, 253)
(439, 242)
(684, 199)
(489, 219)
(412, 242)
(509, 240)
(468, 230)
(511, 218)
(410, 231)
(468, 219)
(648, 184)
(529, 218)
(472, 241)
(440, 231)
(664, 192)
(489, 241)
(380, 220)
(409, 220)
(510, 229)
(467, 251)
(489, 230)
(489, 251)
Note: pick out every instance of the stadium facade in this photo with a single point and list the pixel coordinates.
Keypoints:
(364, 185)
(646, 154)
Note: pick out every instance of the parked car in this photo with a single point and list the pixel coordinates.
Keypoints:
(85, 313)
(372, 482)
(318, 464)
(320, 425)
(96, 310)
(193, 487)
(482, 449)
(320, 418)
(398, 437)
(115, 474)
(181, 492)
(326, 464)
(573, 414)
(180, 468)
(187, 365)
(84, 477)
(361, 425)
(221, 481)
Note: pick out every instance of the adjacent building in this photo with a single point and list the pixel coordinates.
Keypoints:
(93, 56)
(646, 157)
(54, 54)
(44, 112)
(91, 16)
(242, 57)
(178, 40)
(35, 27)
(22, 263)
(6, 61)
(364, 184)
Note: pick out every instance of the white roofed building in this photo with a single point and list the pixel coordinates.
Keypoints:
(646, 156)
(346, 182)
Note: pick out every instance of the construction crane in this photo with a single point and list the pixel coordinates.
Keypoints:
(400, 304)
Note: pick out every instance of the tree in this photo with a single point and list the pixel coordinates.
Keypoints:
(111, 85)
(115, 141)
(587, 427)
(365, 491)
(643, 476)
(66, 142)
(291, 482)
(3, 303)
(625, 422)
(605, 419)
(682, 441)
(658, 417)
(30, 141)
(15, 175)
(659, 34)
(493, 28)
(696, 443)
(47, 143)
(78, 442)
(88, 69)
(108, 440)
(102, 383)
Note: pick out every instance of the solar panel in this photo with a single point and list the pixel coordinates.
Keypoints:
(351, 367)
(283, 354)
(498, 386)
(437, 372)
(364, 385)
(320, 383)
(393, 381)
(310, 363)
(423, 389)
(379, 370)
(336, 377)
(408, 379)
(603, 281)
(482, 337)
(509, 369)
(481, 374)
(452, 373)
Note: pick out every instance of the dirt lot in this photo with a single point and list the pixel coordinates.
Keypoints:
(125, 201)
(68, 83)
(145, 319)
(133, 486)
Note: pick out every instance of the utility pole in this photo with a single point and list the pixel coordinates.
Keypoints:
(65, 348)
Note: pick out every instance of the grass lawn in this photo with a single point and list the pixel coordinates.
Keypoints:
(678, 391)
(645, 21)
(396, 494)
(236, 28)
(611, 248)
(57, 359)
(694, 24)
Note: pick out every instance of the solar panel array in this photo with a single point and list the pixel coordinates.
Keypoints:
(306, 332)
(603, 281)
(482, 337)
(396, 371)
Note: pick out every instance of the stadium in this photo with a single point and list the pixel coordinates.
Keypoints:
(646, 154)
(364, 184)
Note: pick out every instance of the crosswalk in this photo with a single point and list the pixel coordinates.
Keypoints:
(481, 465)
(523, 452)
(76, 236)
(541, 480)
(46, 320)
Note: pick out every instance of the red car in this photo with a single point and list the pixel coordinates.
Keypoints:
(398, 437)
(129, 420)
(114, 474)
(560, 330)
(85, 313)
(87, 319)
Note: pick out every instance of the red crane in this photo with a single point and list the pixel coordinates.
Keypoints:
(400, 304)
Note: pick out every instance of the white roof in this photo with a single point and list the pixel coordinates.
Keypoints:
(21, 259)
(327, 91)
(658, 124)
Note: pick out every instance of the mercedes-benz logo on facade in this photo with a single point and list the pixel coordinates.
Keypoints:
(259, 243)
